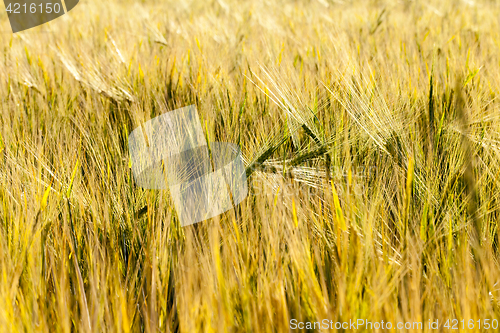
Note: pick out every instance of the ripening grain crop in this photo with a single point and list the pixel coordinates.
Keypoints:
(370, 132)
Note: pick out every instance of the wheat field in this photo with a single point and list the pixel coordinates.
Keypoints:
(371, 135)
